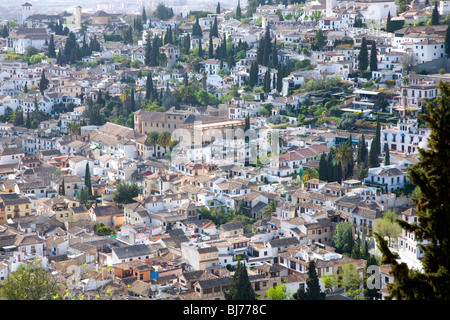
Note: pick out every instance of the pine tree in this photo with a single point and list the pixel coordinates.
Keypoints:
(320, 40)
(240, 288)
(373, 57)
(430, 175)
(363, 59)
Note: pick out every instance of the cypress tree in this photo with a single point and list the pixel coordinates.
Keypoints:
(267, 47)
(280, 76)
(312, 286)
(330, 174)
(363, 59)
(388, 23)
(267, 81)
(218, 8)
(362, 152)
(275, 54)
(260, 51)
(144, 15)
(430, 175)
(323, 167)
(447, 41)
(5, 32)
(210, 47)
(253, 77)
(62, 188)
(148, 51)
(238, 10)
(215, 28)
(87, 179)
(387, 160)
(435, 15)
(43, 83)
(373, 57)
(51, 48)
(149, 88)
(240, 288)
(25, 88)
(377, 137)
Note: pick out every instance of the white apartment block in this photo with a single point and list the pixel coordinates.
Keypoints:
(406, 136)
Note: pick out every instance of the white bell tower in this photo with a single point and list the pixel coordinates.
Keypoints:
(26, 11)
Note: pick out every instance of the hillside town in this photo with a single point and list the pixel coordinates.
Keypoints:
(156, 152)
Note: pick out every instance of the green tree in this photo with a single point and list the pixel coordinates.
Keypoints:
(387, 160)
(240, 288)
(435, 15)
(164, 139)
(218, 8)
(238, 10)
(31, 281)
(388, 22)
(373, 57)
(43, 83)
(152, 138)
(323, 171)
(313, 291)
(5, 32)
(447, 41)
(279, 292)
(343, 238)
(430, 174)
(269, 209)
(87, 179)
(320, 40)
(363, 58)
(51, 48)
(125, 192)
(363, 154)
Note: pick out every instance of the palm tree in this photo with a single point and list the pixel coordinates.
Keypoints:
(309, 173)
(74, 128)
(270, 208)
(152, 137)
(164, 140)
(344, 153)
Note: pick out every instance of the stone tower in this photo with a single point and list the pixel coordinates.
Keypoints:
(78, 16)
